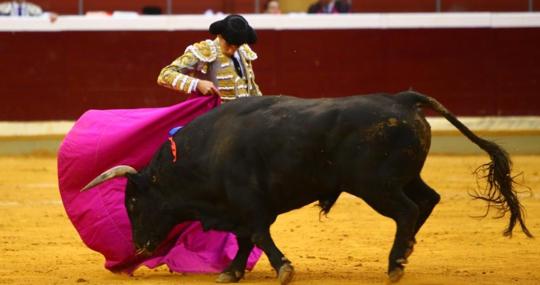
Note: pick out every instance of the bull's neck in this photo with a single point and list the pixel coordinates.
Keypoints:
(181, 212)
(193, 211)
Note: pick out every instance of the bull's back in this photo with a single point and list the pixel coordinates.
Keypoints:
(305, 149)
(279, 121)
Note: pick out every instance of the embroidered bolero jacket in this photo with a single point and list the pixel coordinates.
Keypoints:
(204, 60)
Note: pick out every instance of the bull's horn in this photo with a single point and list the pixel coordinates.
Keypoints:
(120, 170)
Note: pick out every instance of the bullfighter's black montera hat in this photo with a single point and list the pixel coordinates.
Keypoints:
(235, 30)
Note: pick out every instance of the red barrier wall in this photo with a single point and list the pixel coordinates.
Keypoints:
(178, 6)
(485, 5)
(473, 71)
(248, 6)
(59, 6)
(383, 6)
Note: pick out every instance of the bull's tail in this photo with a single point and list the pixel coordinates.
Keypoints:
(500, 192)
(326, 202)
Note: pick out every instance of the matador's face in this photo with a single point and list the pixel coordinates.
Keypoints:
(227, 48)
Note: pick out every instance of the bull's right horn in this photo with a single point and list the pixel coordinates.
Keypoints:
(120, 170)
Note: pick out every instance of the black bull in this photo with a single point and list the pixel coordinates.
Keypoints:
(241, 165)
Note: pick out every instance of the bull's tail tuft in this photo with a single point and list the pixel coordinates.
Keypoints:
(499, 192)
(499, 189)
(326, 203)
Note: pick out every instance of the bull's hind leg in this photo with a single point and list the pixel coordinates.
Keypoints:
(236, 269)
(426, 199)
(278, 261)
(393, 203)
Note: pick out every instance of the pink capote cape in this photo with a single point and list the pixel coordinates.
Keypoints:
(101, 139)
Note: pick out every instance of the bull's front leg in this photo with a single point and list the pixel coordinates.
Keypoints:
(237, 268)
(278, 261)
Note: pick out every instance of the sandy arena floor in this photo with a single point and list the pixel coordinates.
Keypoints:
(38, 244)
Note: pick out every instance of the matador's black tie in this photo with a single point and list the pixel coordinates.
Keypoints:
(237, 67)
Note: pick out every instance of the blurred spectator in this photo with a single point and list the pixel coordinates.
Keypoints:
(22, 8)
(329, 7)
(272, 7)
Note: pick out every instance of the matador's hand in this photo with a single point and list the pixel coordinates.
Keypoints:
(207, 88)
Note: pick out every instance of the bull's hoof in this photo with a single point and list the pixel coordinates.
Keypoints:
(286, 273)
(395, 275)
(229, 277)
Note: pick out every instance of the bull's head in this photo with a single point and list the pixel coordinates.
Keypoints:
(148, 211)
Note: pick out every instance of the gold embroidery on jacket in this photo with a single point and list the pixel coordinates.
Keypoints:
(181, 74)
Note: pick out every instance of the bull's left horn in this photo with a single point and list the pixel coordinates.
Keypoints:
(120, 170)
